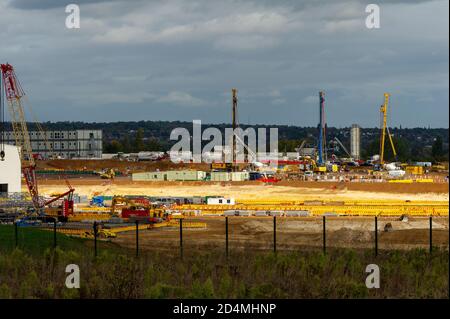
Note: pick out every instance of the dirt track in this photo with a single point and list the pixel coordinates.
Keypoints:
(251, 190)
(294, 233)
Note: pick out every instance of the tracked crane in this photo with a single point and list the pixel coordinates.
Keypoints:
(13, 95)
(385, 129)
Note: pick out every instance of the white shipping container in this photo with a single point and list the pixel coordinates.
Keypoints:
(220, 201)
(240, 176)
(220, 176)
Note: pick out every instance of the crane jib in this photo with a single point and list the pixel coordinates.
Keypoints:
(12, 91)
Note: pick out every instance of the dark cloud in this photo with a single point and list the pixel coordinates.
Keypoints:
(50, 4)
(170, 60)
(295, 4)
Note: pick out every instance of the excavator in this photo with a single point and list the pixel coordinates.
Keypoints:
(13, 95)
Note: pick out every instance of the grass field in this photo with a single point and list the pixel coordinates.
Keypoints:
(35, 270)
(35, 241)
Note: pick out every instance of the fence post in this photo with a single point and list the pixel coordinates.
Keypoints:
(137, 238)
(95, 239)
(275, 234)
(16, 234)
(226, 236)
(324, 236)
(54, 233)
(376, 236)
(181, 238)
(431, 234)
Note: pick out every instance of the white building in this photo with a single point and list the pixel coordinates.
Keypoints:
(10, 171)
(220, 201)
(64, 143)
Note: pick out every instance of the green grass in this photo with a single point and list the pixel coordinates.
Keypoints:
(36, 270)
(35, 241)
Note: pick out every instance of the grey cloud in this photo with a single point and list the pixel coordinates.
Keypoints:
(50, 4)
(169, 60)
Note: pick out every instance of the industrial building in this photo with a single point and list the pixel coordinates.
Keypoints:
(63, 143)
(191, 175)
(185, 175)
(10, 172)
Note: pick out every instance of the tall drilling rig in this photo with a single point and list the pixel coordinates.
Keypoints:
(234, 125)
(322, 132)
(385, 129)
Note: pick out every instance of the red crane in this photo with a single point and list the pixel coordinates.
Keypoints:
(14, 93)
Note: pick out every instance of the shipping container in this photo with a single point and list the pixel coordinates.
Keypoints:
(220, 201)
(220, 176)
(185, 175)
(240, 176)
(297, 213)
(415, 170)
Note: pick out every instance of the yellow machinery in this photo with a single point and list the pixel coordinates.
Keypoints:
(136, 207)
(414, 170)
(384, 129)
(108, 174)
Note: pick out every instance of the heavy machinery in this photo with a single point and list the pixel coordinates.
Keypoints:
(222, 167)
(107, 174)
(14, 94)
(138, 209)
(384, 129)
(322, 153)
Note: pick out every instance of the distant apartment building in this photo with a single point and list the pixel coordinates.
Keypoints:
(64, 143)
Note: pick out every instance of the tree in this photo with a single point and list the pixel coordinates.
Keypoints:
(139, 140)
(153, 145)
(113, 147)
(437, 149)
(126, 145)
(401, 146)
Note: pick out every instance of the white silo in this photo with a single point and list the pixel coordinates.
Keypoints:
(355, 142)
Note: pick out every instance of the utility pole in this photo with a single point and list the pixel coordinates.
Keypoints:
(234, 125)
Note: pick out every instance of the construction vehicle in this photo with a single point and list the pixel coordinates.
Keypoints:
(14, 94)
(138, 209)
(107, 174)
(223, 167)
(385, 129)
(101, 233)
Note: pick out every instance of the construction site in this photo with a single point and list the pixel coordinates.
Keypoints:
(294, 193)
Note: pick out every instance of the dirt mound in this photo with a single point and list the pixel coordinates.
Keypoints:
(256, 226)
(121, 166)
(347, 235)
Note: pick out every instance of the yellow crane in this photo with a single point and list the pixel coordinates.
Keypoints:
(385, 128)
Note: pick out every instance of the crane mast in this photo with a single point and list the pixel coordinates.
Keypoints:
(13, 95)
(385, 128)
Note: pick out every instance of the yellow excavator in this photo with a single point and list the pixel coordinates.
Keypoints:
(108, 174)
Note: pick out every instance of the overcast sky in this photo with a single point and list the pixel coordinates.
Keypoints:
(178, 60)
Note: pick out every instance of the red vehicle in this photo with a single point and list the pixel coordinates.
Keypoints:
(268, 178)
(130, 212)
